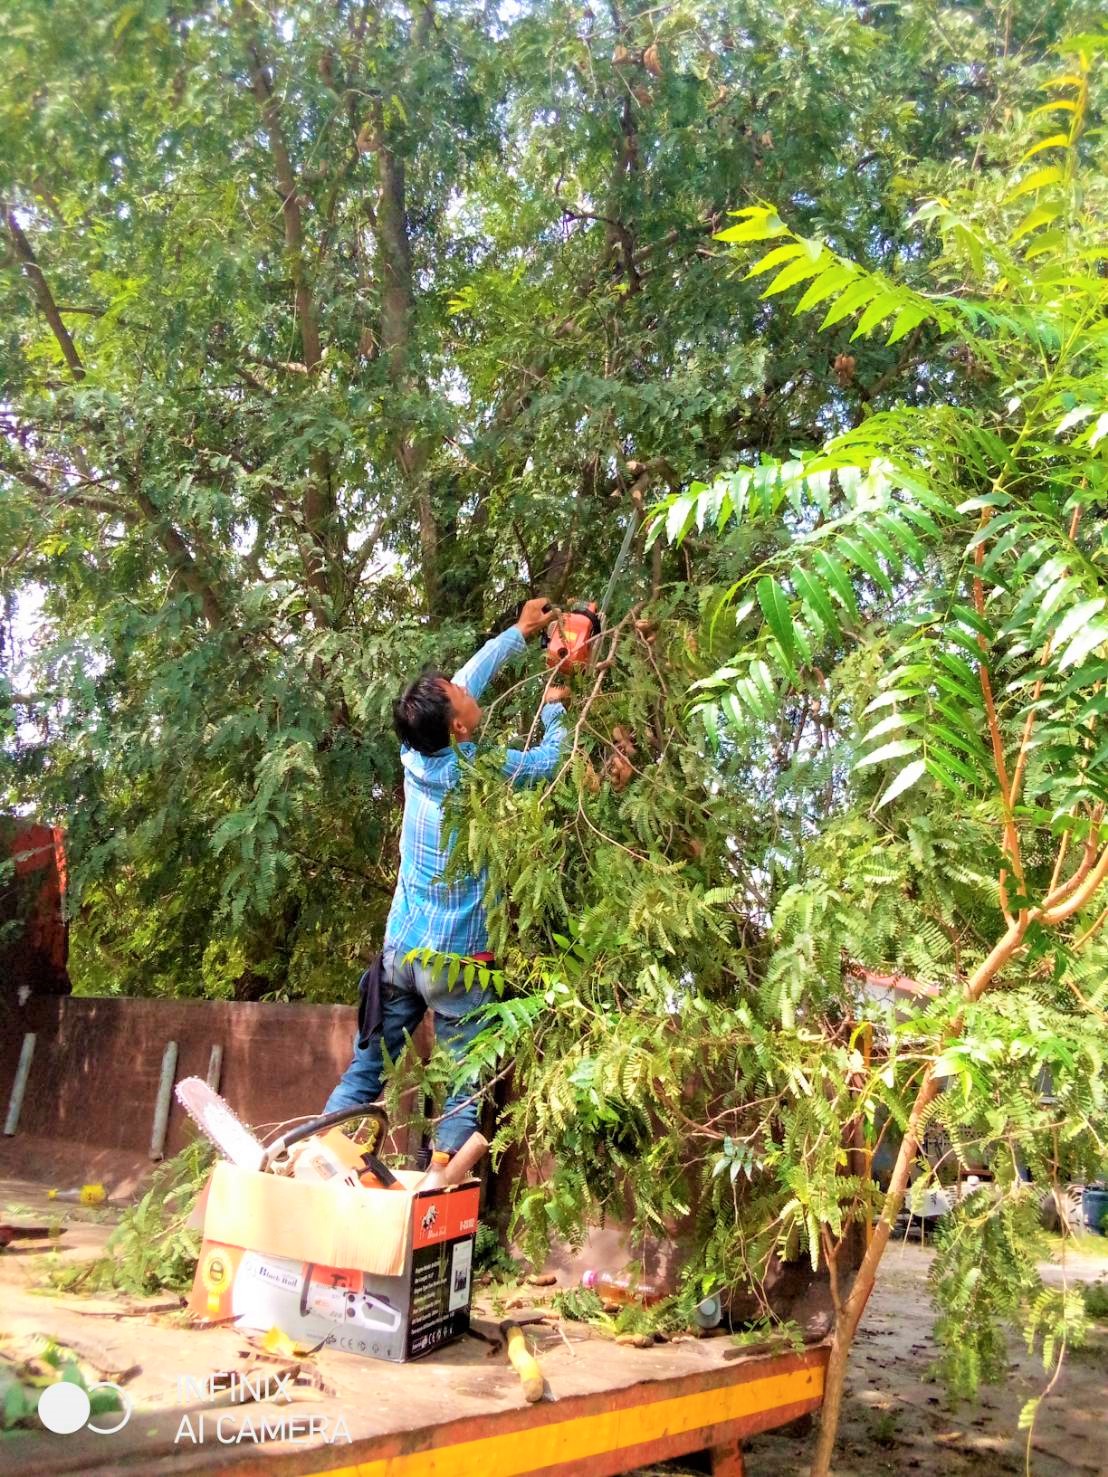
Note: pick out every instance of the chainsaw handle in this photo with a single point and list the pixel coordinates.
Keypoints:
(319, 1125)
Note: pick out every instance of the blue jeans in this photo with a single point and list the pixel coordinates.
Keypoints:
(411, 990)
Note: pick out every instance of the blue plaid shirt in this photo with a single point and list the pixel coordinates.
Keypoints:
(426, 912)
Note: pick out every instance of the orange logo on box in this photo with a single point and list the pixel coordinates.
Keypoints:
(346, 1279)
(444, 1217)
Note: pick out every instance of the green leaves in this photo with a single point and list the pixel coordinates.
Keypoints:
(894, 750)
(812, 602)
(904, 780)
(841, 576)
(756, 223)
(775, 608)
(852, 289)
(1037, 179)
(1086, 640)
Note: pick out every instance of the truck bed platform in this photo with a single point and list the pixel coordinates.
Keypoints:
(460, 1412)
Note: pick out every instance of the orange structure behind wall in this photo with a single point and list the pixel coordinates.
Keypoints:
(34, 939)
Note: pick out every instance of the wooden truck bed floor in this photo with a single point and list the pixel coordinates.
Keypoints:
(459, 1412)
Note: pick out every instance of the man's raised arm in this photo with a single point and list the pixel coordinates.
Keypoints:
(528, 766)
(483, 666)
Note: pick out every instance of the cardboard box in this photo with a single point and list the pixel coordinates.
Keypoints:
(384, 1273)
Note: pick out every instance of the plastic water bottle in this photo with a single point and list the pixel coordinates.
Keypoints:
(435, 1178)
(621, 1287)
(452, 1169)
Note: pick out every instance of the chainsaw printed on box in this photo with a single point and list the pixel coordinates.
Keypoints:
(348, 1309)
(337, 1298)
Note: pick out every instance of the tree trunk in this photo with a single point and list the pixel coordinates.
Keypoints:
(319, 508)
(849, 1316)
(397, 303)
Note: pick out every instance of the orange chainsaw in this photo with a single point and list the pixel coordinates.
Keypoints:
(313, 1158)
(571, 637)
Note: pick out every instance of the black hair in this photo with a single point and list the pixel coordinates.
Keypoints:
(421, 714)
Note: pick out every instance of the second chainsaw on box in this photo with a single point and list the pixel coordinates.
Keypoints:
(315, 1150)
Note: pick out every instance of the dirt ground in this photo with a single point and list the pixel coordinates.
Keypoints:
(896, 1420)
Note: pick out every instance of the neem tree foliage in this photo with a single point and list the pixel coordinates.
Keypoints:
(331, 331)
(899, 757)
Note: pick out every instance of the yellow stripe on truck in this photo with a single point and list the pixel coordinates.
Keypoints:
(529, 1450)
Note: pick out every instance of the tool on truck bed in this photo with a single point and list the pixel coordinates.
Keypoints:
(8, 1233)
(523, 1362)
(221, 1124)
(314, 1149)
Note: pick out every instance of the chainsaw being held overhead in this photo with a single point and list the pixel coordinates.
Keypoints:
(570, 638)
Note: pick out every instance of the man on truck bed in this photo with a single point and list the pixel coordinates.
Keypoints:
(436, 719)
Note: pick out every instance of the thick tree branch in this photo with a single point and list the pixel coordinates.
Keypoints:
(1081, 895)
(43, 296)
(1060, 891)
(28, 478)
(1032, 708)
(318, 501)
(847, 1320)
(290, 207)
(1011, 837)
(394, 272)
(171, 540)
(180, 557)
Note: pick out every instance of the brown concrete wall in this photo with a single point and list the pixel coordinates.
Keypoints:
(97, 1062)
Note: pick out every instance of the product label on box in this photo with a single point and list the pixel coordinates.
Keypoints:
(397, 1316)
(461, 1266)
(437, 1314)
(283, 1276)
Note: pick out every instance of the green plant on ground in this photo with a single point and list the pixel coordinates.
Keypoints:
(1095, 1295)
(760, 1331)
(882, 1428)
(22, 1382)
(580, 1304)
(152, 1249)
(491, 1255)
